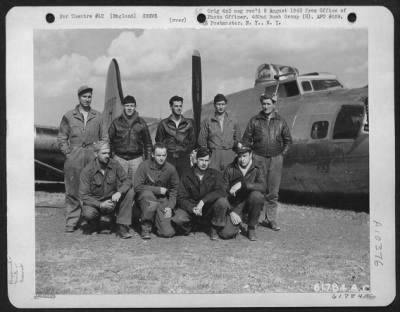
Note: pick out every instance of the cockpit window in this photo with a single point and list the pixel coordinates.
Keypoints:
(306, 85)
(319, 130)
(286, 89)
(348, 122)
(269, 71)
(324, 84)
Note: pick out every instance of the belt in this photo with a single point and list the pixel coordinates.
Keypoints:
(84, 144)
(222, 148)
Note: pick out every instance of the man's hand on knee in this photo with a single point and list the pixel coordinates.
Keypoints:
(116, 197)
(235, 218)
(167, 212)
(107, 206)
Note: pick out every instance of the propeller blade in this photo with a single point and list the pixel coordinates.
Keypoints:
(196, 91)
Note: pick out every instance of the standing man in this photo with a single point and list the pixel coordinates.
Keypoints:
(156, 184)
(219, 133)
(79, 129)
(245, 183)
(201, 195)
(105, 191)
(270, 138)
(130, 138)
(177, 133)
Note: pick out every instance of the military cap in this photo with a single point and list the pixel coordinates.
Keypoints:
(220, 97)
(241, 148)
(84, 89)
(100, 144)
(129, 99)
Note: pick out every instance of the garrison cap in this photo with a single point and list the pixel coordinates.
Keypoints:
(241, 148)
(220, 97)
(100, 144)
(84, 89)
(129, 99)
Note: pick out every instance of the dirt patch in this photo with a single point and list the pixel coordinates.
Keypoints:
(314, 245)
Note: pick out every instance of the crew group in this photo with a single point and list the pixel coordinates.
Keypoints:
(224, 181)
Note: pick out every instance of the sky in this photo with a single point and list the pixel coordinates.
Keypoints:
(156, 64)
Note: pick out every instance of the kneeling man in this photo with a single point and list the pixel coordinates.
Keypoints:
(156, 183)
(245, 182)
(105, 191)
(201, 195)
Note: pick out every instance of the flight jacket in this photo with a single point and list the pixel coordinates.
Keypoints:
(95, 187)
(130, 141)
(150, 177)
(213, 137)
(191, 190)
(253, 180)
(177, 140)
(268, 135)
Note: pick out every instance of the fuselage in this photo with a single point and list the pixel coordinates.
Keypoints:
(330, 151)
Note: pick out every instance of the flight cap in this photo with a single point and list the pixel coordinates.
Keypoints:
(220, 97)
(129, 99)
(84, 89)
(241, 148)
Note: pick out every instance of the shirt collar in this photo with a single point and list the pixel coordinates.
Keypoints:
(215, 118)
(78, 112)
(153, 165)
(272, 115)
(97, 165)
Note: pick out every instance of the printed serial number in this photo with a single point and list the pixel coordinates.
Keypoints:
(336, 288)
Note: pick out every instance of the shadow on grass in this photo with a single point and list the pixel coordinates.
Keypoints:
(353, 202)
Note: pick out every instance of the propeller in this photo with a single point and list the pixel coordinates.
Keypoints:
(196, 91)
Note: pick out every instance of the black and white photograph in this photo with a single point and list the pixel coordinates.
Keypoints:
(196, 161)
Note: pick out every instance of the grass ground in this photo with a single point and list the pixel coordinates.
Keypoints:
(314, 245)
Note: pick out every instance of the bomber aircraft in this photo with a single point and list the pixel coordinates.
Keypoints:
(329, 126)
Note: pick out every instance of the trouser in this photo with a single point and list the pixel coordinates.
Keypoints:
(252, 205)
(272, 167)
(130, 166)
(123, 210)
(220, 159)
(152, 212)
(180, 161)
(214, 213)
(73, 166)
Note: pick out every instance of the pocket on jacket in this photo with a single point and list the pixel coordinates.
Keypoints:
(111, 178)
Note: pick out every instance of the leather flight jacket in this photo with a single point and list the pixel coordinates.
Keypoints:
(130, 140)
(179, 140)
(269, 136)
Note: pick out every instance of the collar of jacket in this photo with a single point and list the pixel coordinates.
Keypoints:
(170, 119)
(97, 166)
(273, 115)
(78, 114)
(134, 117)
(253, 164)
(192, 176)
(154, 165)
(226, 116)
